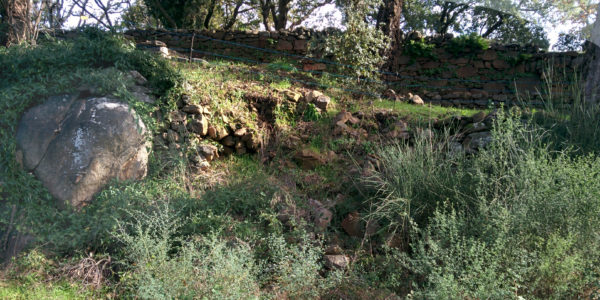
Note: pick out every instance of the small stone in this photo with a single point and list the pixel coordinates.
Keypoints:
(199, 125)
(351, 224)
(193, 109)
(312, 95)
(240, 149)
(228, 151)
(203, 164)
(479, 117)
(210, 152)
(308, 159)
(322, 102)
(415, 99)
(293, 96)
(138, 78)
(314, 67)
(186, 99)
(240, 132)
(228, 141)
(142, 93)
(173, 137)
(500, 64)
(164, 52)
(476, 141)
(389, 95)
(221, 132)
(320, 214)
(338, 262)
(177, 116)
(334, 250)
(489, 55)
(212, 132)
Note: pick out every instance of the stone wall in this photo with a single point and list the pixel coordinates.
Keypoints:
(232, 43)
(500, 74)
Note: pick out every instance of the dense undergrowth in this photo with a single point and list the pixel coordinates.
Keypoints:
(518, 219)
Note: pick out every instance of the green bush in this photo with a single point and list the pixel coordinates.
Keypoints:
(359, 48)
(515, 219)
(293, 269)
(420, 48)
(467, 44)
(167, 267)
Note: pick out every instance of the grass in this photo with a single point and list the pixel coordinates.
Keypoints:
(517, 219)
(425, 112)
(17, 291)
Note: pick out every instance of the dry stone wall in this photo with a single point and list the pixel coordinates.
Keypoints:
(501, 74)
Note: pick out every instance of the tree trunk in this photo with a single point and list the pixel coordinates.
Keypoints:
(210, 13)
(265, 6)
(234, 15)
(281, 17)
(16, 24)
(592, 85)
(388, 21)
(389, 16)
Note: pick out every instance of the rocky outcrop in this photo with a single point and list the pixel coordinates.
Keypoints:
(76, 146)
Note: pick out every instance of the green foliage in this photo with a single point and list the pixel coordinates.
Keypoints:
(516, 218)
(517, 60)
(311, 113)
(167, 267)
(358, 49)
(418, 49)
(138, 16)
(295, 268)
(282, 64)
(31, 276)
(98, 61)
(467, 44)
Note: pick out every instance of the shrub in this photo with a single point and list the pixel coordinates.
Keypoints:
(467, 44)
(415, 179)
(420, 48)
(293, 269)
(167, 267)
(359, 48)
(517, 218)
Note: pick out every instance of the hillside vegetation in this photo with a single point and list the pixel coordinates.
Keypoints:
(383, 208)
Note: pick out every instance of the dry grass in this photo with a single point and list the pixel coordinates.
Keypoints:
(89, 271)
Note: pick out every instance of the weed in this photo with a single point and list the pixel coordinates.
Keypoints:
(311, 113)
(419, 49)
(467, 44)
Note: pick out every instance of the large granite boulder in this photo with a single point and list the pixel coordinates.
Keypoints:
(76, 146)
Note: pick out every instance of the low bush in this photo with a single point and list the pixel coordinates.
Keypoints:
(467, 44)
(515, 219)
(165, 266)
(419, 48)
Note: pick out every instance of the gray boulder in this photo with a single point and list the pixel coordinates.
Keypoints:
(76, 146)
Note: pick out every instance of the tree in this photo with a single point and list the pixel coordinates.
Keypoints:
(592, 85)
(579, 13)
(287, 14)
(18, 23)
(506, 21)
(361, 47)
(389, 18)
(506, 28)
(103, 12)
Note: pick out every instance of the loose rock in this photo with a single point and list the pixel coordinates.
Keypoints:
(338, 262)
